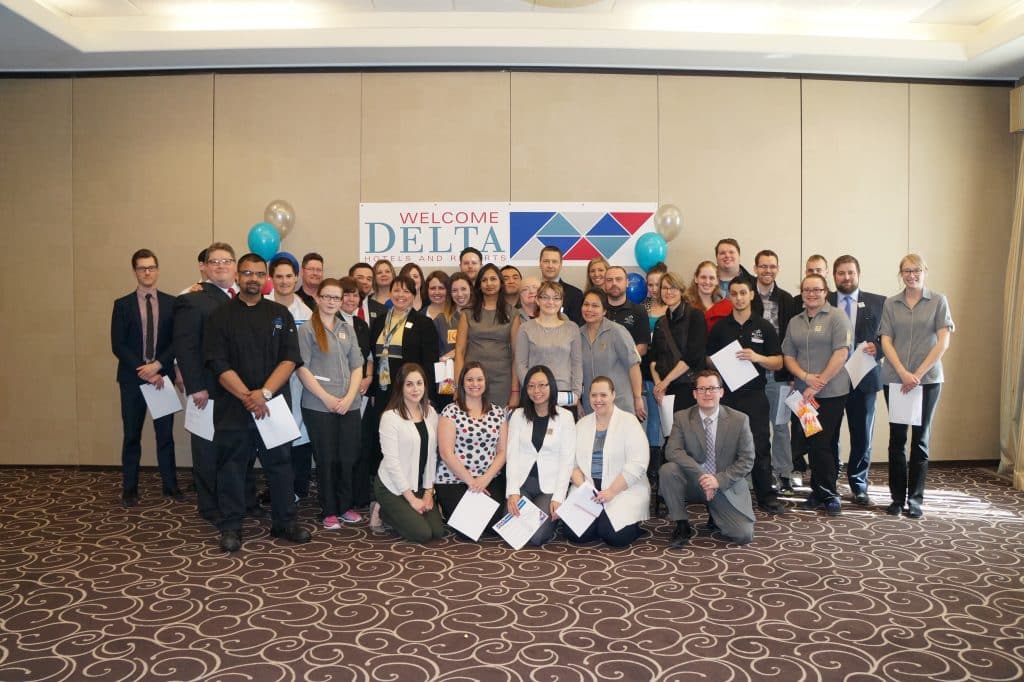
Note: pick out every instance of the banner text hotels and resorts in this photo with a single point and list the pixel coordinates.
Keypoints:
(506, 233)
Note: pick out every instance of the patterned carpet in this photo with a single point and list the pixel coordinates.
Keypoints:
(91, 591)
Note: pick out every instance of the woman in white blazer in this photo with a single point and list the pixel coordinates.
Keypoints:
(541, 448)
(408, 442)
(610, 456)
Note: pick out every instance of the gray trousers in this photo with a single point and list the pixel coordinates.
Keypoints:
(782, 452)
(678, 489)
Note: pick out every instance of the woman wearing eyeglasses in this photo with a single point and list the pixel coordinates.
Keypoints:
(817, 344)
(915, 330)
(553, 340)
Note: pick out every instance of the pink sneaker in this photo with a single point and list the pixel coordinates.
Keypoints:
(331, 522)
(351, 516)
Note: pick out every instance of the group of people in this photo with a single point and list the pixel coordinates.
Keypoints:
(413, 390)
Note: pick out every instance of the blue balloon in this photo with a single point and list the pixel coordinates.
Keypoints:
(650, 250)
(289, 256)
(636, 287)
(264, 240)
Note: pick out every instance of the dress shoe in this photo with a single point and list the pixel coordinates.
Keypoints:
(772, 506)
(174, 493)
(862, 499)
(129, 498)
(292, 533)
(230, 541)
(681, 535)
(894, 509)
(812, 502)
(914, 511)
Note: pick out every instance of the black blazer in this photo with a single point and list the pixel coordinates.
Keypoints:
(572, 302)
(419, 345)
(126, 336)
(868, 320)
(190, 315)
(685, 330)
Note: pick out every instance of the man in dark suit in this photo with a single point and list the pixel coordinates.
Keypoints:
(551, 271)
(141, 329)
(865, 312)
(191, 313)
(708, 456)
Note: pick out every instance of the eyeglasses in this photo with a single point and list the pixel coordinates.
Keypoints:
(330, 298)
(911, 271)
(253, 273)
(764, 266)
(818, 290)
(549, 298)
(220, 261)
(707, 389)
(309, 269)
(147, 268)
(536, 387)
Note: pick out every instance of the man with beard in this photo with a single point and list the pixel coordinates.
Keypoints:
(632, 316)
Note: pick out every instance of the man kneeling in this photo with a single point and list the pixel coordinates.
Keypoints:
(708, 456)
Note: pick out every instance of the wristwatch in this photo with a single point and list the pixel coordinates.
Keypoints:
(267, 395)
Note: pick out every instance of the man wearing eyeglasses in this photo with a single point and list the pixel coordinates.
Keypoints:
(251, 347)
(312, 275)
(191, 313)
(141, 331)
(708, 456)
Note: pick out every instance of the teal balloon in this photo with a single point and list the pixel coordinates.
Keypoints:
(636, 287)
(264, 240)
(650, 250)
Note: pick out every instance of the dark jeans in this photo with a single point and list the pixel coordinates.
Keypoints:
(860, 420)
(133, 414)
(821, 449)
(236, 450)
(336, 443)
(754, 404)
(602, 529)
(906, 487)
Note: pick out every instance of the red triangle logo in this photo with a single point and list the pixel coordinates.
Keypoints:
(583, 250)
(631, 221)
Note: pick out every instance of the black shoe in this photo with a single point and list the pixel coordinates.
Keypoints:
(914, 510)
(711, 525)
(129, 498)
(230, 540)
(812, 503)
(862, 499)
(292, 533)
(174, 493)
(258, 512)
(894, 509)
(681, 535)
(786, 487)
(772, 506)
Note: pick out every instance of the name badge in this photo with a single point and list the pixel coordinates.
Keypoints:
(860, 304)
(408, 325)
(817, 328)
(452, 334)
(343, 336)
(756, 340)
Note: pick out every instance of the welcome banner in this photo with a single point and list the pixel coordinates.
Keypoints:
(432, 234)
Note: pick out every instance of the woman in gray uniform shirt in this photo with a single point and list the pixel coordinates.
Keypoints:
(915, 329)
(553, 340)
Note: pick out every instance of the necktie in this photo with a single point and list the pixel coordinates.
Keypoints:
(149, 352)
(231, 293)
(361, 314)
(709, 446)
(846, 306)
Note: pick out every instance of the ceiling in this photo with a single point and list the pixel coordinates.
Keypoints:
(962, 39)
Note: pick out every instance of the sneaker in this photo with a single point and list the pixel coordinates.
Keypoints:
(914, 511)
(833, 507)
(331, 522)
(811, 503)
(797, 479)
(894, 509)
(351, 516)
(786, 487)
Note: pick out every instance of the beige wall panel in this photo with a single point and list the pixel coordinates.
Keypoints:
(435, 137)
(38, 423)
(293, 137)
(730, 159)
(960, 205)
(143, 163)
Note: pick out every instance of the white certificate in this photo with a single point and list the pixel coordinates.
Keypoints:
(161, 401)
(859, 364)
(795, 402)
(199, 422)
(905, 408)
(665, 412)
(580, 510)
(782, 411)
(279, 426)
(735, 372)
(444, 370)
(472, 513)
(517, 530)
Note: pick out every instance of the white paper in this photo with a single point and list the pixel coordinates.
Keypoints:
(362, 405)
(517, 530)
(566, 398)
(279, 426)
(782, 409)
(859, 364)
(905, 408)
(580, 510)
(735, 372)
(665, 412)
(472, 513)
(161, 401)
(199, 422)
(794, 401)
(444, 370)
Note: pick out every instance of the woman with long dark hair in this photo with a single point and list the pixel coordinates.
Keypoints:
(486, 334)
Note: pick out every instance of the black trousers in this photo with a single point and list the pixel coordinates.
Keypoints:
(448, 495)
(336, 443)
(821, 447)
(133, 415)
(907, 486)
(302, 467)
(204, 472)
(602, 529)
(754, 404)
(684, 398)
(236, 451)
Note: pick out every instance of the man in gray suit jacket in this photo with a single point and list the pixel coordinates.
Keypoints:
(708, 456)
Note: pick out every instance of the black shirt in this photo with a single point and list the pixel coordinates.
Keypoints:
(252, 341)
(633, 317)
(421, 427)
(540, 429)
(756, 333)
